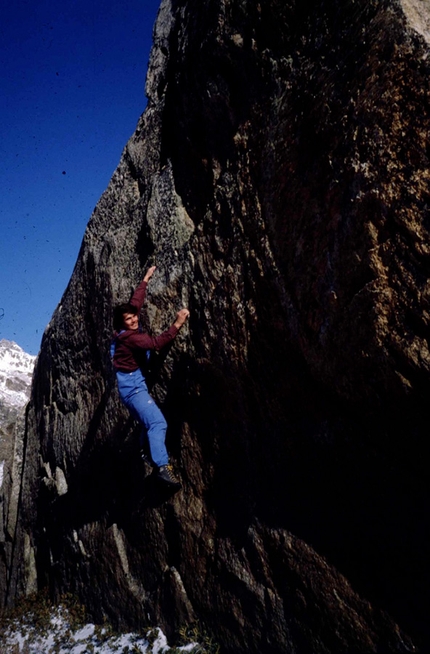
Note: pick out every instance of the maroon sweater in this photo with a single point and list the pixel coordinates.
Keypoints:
(131, 344)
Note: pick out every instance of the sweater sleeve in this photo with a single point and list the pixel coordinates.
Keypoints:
(147, 342)
(138, 296)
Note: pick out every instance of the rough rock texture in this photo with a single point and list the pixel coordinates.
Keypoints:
(16, 370)
(12, 430)
(279, 179)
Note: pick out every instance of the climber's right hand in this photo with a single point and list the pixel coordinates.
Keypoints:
(149, 273)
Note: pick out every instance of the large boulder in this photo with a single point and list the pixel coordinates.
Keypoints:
(279, 181)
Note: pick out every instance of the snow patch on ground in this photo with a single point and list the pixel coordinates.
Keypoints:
(61, 638)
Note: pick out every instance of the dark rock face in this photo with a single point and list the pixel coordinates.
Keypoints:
(279, 181)
(12, 429)
(16, 367)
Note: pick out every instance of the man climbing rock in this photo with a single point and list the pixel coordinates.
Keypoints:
(129, 351)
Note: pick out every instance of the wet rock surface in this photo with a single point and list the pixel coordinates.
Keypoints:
(279, 181)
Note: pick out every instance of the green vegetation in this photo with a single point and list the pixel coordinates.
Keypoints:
(196, 633)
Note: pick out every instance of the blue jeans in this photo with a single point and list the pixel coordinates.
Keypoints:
(134, 394)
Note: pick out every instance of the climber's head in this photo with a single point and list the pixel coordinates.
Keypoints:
(125, 316)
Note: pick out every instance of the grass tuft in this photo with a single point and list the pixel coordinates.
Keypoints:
(197, 633)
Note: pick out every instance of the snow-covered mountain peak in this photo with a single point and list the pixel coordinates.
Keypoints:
(16, 371)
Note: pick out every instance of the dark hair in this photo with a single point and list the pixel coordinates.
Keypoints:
(118, 314)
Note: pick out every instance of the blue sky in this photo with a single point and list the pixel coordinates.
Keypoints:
(73, 77)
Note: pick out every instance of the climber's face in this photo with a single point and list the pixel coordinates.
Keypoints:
(130, 320)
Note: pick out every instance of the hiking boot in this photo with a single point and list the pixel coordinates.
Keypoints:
(165, 474)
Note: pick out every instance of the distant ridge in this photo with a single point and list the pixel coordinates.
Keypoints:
(16, 371)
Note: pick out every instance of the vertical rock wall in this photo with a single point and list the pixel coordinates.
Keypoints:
(279, 181)
(11, 459)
